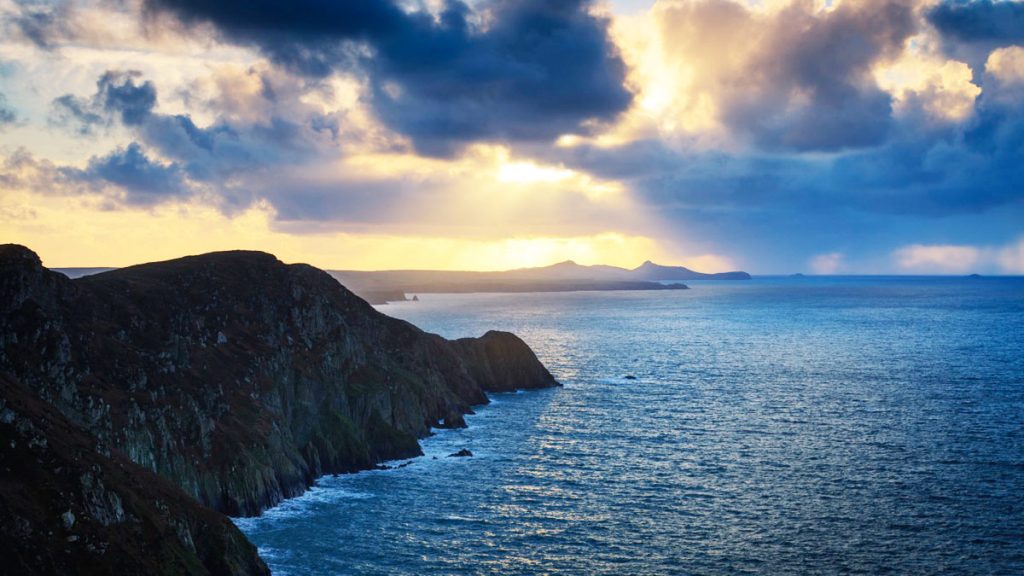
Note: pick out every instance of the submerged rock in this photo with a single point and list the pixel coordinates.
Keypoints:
(464, 453)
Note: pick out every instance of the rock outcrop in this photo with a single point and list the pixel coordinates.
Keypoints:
(236, 377)
(501, 360)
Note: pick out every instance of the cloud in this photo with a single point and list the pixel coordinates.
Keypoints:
(943, 153)
(1005, 67)
(979, 20)
(938, 258)
(308, 35)
(921, 173)
(21, 170)
(117, 97)
(43, 23)
(484, 193)
(126, 176)
(970, 30)
(505, 70)
(7, 114)
(829, 263)
(77, 113)
(796, 78)
(851, 126)
(144, 181)
(230, 157)
(118, 93)
(271, 136)
(929, 89)
(1011, 257)
(961, 259)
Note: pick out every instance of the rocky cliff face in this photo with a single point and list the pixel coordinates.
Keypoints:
(66, 508)
(236, 377)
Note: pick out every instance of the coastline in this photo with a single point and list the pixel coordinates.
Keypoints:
(335, 491)
(437, 447)
(718, 442)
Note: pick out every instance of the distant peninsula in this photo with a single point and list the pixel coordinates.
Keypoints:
(393, 285)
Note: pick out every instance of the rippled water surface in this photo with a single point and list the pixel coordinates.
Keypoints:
(776, 426)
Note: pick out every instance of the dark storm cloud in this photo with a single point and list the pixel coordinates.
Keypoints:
(118, 93)
(979, 20)
(969, 171)
(143, 180)
(306, 35)
(535, 70)
(970, 31)
(540, 70)
(118, 96)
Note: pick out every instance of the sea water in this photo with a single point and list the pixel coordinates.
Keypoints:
(775, 426)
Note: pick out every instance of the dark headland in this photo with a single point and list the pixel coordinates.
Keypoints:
(392, 285)
(141, 405)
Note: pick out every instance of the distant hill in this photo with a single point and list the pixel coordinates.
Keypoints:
(651, 271)
(379, 287)
(387, 285)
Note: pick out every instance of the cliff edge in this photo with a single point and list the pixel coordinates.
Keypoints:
(236, 377)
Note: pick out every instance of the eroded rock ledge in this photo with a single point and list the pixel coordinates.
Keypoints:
(236, 377)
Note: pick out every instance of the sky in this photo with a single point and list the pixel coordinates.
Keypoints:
(773, 136)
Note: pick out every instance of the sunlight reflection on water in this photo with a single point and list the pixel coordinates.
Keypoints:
(776, 426)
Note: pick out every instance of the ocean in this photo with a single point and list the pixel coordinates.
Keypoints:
(860, 425)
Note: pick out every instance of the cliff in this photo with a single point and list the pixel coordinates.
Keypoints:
(236, 377)
(66, 508)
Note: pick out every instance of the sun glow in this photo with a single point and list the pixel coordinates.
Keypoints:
(943, 88)
(529, 173)
(88, 233)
